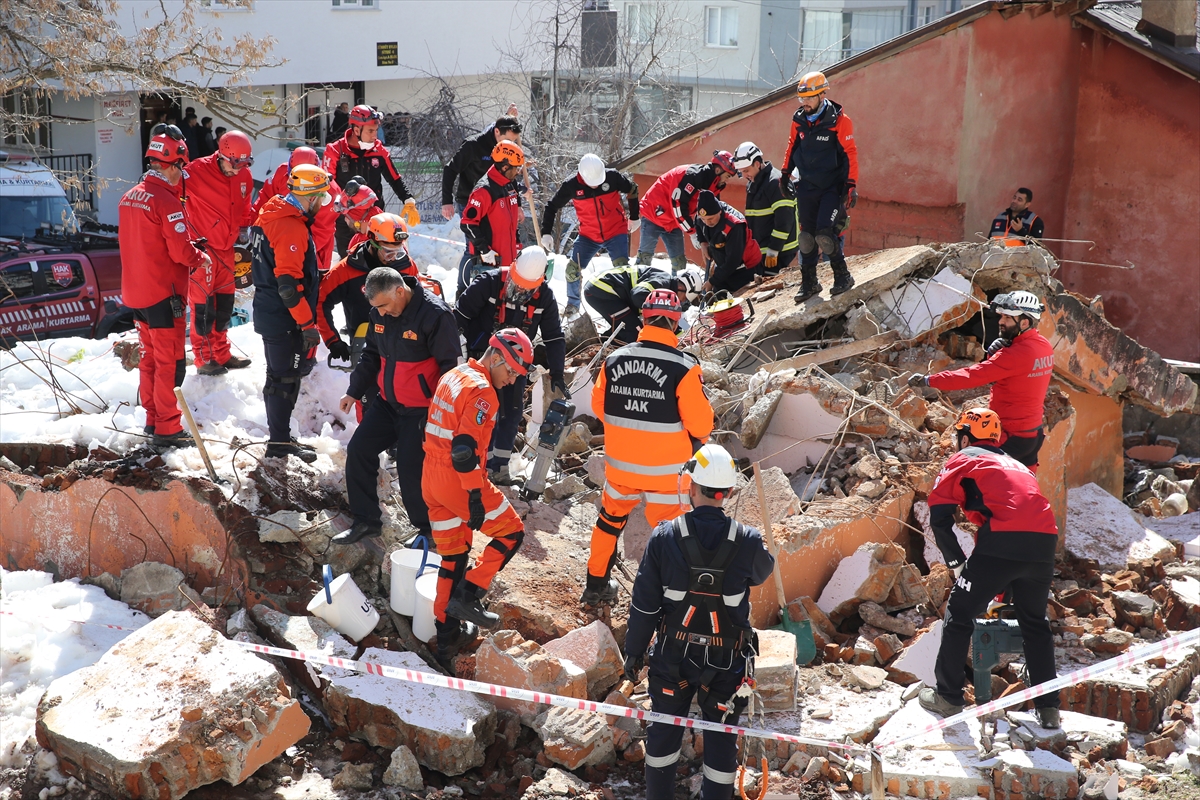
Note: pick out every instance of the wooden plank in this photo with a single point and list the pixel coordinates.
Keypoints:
(835, 353)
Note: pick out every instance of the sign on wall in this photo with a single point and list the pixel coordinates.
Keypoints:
(120, 108)
(387, 54)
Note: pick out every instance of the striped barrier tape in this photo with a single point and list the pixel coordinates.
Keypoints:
(72, 621)
(438, 239)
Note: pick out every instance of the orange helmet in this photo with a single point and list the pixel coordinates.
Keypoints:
(307, 179)
(516, 348)
(812, 84)
(662, 303)
(303, 155)
(981, 424)
(509, 153)
(387, 228)
(167, 145)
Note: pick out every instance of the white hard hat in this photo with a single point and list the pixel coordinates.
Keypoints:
(712, 467)
(745, 154)
(1016, 304)
(692, 278)
(591, 169)
(530, 269)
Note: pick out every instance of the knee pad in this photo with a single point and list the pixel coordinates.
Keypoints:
(827, 240)
(807, 243)
(224, 312)
(678, 263)
(454, 567)
(287, 388)
(620, 262)
(572, 271)
(180, 372)
(610, 524)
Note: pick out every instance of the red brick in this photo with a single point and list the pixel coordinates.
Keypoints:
(1160, 748)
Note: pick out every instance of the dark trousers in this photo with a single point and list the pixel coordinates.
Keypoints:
(287, 363)
(616, 311)
(741, 277)
(384, 427)
(984, 577)
(342, 234)
(512, 407)
(1025, 448)
(817, 212)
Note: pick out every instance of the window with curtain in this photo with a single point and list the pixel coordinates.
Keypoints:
(639, 21)
(720, 26)
(874, 26)
(822, 39)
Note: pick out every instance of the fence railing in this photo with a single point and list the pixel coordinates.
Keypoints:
(77, 177)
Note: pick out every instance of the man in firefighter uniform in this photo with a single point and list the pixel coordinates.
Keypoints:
(513, 297)
(605, 220)
(360, 153)
(1014, 548)
(1020, 363)
(1015, 225)
(460, 497)
(618, 294)
(770, 214)
(324, 223)
(704, 562)
(491, 216)
(411, 342)
(725, 237)
(156, 258)
(472, 160)
(669, 206)
(285, 300)
(655, 413)
(824, 154)
(218, 193)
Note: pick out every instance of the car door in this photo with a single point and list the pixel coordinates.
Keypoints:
(65, 300)
(17, 291)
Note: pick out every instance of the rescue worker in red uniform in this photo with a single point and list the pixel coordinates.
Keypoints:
(218, 192)
(650, 396)
(1014, 548)
(605, 221)
(324, 222)
(725, 237)
(669, 206)
(285, 300)
(358, 204)
(824, 154)
(492, 215)
(700, 561)
(1015, 225)
(412, 341)
(459, 495)
(360, 153)
(157, 256)
(1020, 363)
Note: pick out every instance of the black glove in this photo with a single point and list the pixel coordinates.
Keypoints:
(786, 187)
(851, 196)
(475, 506)
(999, 343)
(339, 350)
(633, 668)
(558, 383)
(917, 379)
(312, 337)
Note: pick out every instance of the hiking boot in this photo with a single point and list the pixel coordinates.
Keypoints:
(502, 477)
(456, 640)
(148, 430)
(807, 290)
(177, 439)
(570, 311)
(211, 368)
(930, 700)
(599, 592)
(292, 440)
(236, 362)
(465, 605)
(842, 279)
(358, 531)
(1048, 717)
(276, 450)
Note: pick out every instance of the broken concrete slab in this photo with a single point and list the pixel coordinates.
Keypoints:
(781, 500)
(868, 574)
(775, 670)
(1101, 527)
(556, 783)
(1136, 695)
(447, 731)
(594, 650)
(575, 738)
(310, 635)
(930, 305)
(917, 661)
(1184, 530)
(172, 707)
(1083, 731)
(403, 770)
(757, 419)
(857, 715)
(941, 764)
(155, 589)
(792, 438)
(507, 659)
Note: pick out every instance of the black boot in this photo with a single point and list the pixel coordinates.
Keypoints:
(660, 783)
(278, 450)
(809, 285)
(842, 279)
(358, 532)
(179, 439)
(599, 591)
(465, 604)
(452, 636)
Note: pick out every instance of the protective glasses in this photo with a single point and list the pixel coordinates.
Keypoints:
(389, 251)
(237, 163)
(517, 295)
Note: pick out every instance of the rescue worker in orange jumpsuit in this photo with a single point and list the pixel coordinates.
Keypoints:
(218, 193)
(156, 257)
(324, 222)
(656, 415)
(458, 493)
(492, 215)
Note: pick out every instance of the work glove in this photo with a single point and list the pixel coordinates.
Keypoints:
(558, 383)
(312, 337)
(547, 243)
(409, 212)
(634, 224)
(786, 188)
(339, 350)
(475, 507)
(851, 196)
(633, 668)
(244, 235)
(695, 241)
(959, 570)
(490, 257)
(999, 343)
(918, 380)
(770, 259)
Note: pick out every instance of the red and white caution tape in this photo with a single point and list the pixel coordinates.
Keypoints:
(69, 621)
(438, 239)
(1190, 639)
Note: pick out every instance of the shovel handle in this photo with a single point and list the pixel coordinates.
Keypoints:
(191, 422)
(766, 518)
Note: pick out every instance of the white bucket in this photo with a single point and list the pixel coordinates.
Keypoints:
(405, 564)
(423, 619)
(343, 605)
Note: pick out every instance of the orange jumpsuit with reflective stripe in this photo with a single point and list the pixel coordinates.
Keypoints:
(656, 416)
(465, 405)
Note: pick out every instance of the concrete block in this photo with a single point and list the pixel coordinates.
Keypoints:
(873, 614)
(775, 670)
(857, 715)
(1183, 530)
(940, 764)
(907, 591)
(1083, 731)
(593, 649)
(1101, 527)
(556, 783)
(172, 707)
(929, 305)
(447, 731)
(781, 499)
(917, 661)
(155, 589)
(1035, 771)
(757, 419)
(505, 658)
(309, 634)
(868, 574)
(404, 771)
(282, 526)
(354, 776)
(868, 677)
(575, 738)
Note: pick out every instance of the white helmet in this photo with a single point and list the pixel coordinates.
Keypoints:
(712, 467)
(692, 278)
(591, 169)
(530, 269)
(1016, 304)
(745, 154)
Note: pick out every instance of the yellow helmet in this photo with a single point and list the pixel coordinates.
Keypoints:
(982, 424)
(812, 84)
(306, 179)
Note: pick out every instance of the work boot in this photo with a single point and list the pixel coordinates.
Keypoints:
(301, 445)
(211, 368)
(178, 439)
(358, 532)
(465, 605)
(930, 700)
(807, 290)
(148, 430)
(599, 591)
(570, 311)
(502, 477)
(1048, 717)
(277, 450)
(449, 644)
(236, 362)
(842, 279)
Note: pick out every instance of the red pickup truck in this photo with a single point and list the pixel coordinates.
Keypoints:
(68, 286)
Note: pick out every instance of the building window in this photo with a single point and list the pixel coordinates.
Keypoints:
(926, 13)
(595, 5)
(720, 26)
(639, 21)
(355, 3)
(873, 27)
(822, 38)
(28, 114)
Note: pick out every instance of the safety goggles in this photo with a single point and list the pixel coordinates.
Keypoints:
(238, 163)
(516, 295)
(388, 251)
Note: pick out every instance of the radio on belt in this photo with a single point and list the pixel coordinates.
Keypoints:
(558, 416)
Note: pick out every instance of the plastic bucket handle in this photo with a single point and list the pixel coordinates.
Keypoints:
(327, 574)
(424, 553)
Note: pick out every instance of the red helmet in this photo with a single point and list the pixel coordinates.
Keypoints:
(724, 160)
(302, 155)
(516, 348)
(362, 114)
(167, 145)
(355, 198)
(235, 148)
(662, 303)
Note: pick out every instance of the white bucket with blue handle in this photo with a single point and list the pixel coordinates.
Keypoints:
(343, 605)
(407, 566)
(423, 625)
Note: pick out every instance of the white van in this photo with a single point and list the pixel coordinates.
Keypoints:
(32, 201)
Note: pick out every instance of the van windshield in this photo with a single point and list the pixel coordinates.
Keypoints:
(24, 216)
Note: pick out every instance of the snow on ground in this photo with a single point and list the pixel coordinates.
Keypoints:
(41, 639)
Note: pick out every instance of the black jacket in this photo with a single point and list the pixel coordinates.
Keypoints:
(729, 245)
(480, 313)
(770, 215)
(632, 284)
(271, 316)
(470, 163)
(405, 356)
